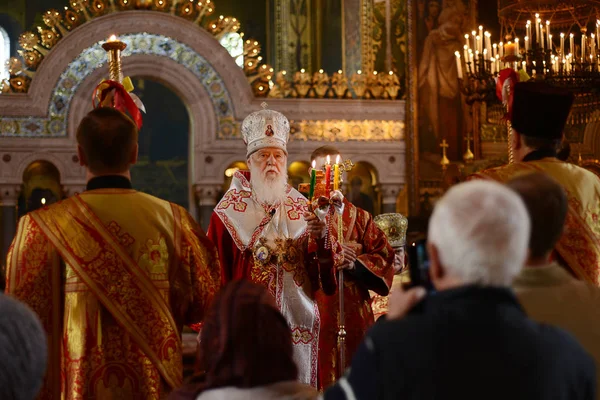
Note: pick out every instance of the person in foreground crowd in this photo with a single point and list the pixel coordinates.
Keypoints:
(469, 339)
(113, 274)
(546, 291)
(368, 265)
(23, 351)
(394, 226)
(245, 351)
(539, 115)
(264, 232)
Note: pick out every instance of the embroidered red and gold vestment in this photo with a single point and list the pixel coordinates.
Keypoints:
(114, 275)
(579, 246)
(374, 272)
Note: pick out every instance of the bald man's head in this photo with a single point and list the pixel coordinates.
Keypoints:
(547, 205)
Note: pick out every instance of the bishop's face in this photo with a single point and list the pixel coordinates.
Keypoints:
(270, 162)
(399, 259)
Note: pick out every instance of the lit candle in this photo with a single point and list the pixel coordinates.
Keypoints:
(562, 44)
(488, 43)
(517, 47)
(572, 44)
(526, 44)
(598, 32)
(501, 49)
(550, 42)
(537, 28)
(336, 173)
(478, 48)
(548, 35)
(542, 37)
(593, 46)
(112, 38)
(466, 53)
(313, 181)
(481, 38)
(524, 65)
(467, 40)
(528, 28)
(458, 65)
(495, 47)
(583, 43)
(474, 36)
(471, 65)
(485, 54)
(493, 63)
(328, 176)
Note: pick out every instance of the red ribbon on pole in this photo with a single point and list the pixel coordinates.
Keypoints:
(505, 88)
(121, 100)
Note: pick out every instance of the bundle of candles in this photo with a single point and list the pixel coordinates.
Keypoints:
(320, 181)
(537, 53)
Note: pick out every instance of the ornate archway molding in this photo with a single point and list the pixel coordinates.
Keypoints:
(215, 90)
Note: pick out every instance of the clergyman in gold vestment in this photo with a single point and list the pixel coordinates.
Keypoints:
(539, 115)
(113, 274)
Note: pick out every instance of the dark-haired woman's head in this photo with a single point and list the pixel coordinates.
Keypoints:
(245, 341)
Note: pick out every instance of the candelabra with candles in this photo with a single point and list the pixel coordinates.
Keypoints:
(570, 62)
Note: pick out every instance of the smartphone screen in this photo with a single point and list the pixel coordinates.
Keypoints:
(418, 264)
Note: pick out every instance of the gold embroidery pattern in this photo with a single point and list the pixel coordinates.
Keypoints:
(235, 198)
(154, 258)
(125, 239)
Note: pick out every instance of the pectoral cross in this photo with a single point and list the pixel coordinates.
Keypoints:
(468, 156)
(444, 162)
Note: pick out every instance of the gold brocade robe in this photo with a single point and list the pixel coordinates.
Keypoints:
(579, 246)
(113, 274)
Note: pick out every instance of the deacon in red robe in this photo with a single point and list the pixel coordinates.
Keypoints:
(368, 261)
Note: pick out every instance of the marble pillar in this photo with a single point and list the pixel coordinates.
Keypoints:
(206, 195)
(390, 194)
(357, 20)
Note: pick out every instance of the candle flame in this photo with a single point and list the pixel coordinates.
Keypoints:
(112, 38)
(328, 159)
(314, 164)
(43, 200)
(337, 159)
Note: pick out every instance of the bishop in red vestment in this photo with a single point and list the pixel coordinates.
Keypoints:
(368, 261)
(262, 231)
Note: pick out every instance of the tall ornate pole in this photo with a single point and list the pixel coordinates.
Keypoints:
(344, 167)
(342, 321)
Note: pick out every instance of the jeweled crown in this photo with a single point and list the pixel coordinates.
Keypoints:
(265, 128)
(394, 226)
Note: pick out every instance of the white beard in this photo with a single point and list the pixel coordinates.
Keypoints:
(268, 190)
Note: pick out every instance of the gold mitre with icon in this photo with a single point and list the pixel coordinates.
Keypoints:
(265, 128)
(394, 226)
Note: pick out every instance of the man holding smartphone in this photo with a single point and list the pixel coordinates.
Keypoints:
(470, 339)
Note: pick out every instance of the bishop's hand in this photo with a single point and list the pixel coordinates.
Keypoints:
(316, 227)
(350, 256)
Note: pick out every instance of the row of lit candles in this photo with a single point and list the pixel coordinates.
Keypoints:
(336, 177)
(340, 72)
(497, 53)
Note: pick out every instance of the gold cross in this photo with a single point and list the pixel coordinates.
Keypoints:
(444, 162)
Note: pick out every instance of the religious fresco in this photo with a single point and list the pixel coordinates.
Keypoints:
(435, 111)
(390, 37)
(440, 29)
